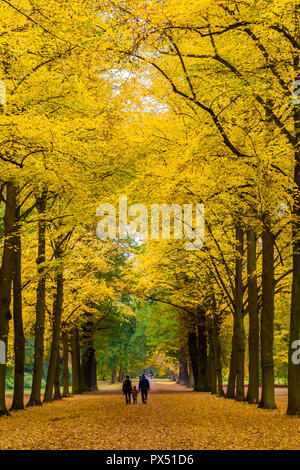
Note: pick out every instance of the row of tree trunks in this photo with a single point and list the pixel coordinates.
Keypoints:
(54, 352)
(10, 277)
(65, 363)
(203, 383)
(267, 319)
(19, 338)
(39, 328)
(214, 357)
(75, 354)
(77, 367)
(88, 359)
(6, 277)
(87, 364)
(236, 376)
(197, 344)
(253, 386)
(238, 318)
(203, 371)
(235, 388)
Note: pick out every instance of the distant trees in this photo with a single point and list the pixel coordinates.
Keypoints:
(234, 147)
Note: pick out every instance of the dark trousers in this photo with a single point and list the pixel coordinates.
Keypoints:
(144, 395)
(134, 400)
(128, 397)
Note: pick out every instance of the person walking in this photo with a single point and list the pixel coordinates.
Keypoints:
(134, 395)
(127, 389)
(144, 388)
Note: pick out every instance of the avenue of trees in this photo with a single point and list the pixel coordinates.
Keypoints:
(176, 102)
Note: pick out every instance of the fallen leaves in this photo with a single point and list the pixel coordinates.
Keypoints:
(174, 418)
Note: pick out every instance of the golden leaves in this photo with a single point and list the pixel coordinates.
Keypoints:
(174, 419)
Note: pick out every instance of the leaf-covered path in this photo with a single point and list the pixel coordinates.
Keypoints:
(174, 418)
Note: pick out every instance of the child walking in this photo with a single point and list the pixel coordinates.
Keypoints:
(134, 395)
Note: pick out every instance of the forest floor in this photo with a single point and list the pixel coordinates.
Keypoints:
(174, 418)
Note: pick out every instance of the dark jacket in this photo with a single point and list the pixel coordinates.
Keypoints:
(144, 385)
(127, 386)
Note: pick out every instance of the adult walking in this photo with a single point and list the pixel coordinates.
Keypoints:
(144, 388)
(127, 389)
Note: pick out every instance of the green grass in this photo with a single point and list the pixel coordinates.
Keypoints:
(108, 385)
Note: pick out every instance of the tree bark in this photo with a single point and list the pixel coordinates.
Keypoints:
(198, 352)
(88, 359)
(57, 392)
(88, 369)
(294, 368)
(239, 331)
(253, 386)
(54, 352)
(212, 357)
(35, 396)
(19, 338)
(94, 382)
(190, 383)
(267, 320)
(230, 392)
(65, 363)
(203, 385)
(114, 376)
(183, 369)
(6, 275)
(120, 376)
(218, 359)
(75, 354)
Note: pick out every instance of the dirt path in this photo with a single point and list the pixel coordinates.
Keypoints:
(174, 418)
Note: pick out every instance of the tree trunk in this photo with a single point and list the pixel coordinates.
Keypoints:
(199, 363)
(212, 357)
(88, 359)
(35, 396)
(203, 385)
(6, 275)
(94, 383)
(183, 368)
(19, 338)
(65, 364)
(57, 393)
(89, 369)
(114, 376)
(253, 386)
(230, 392)
(75, 354)
(218, 359)
(120, 376)
(54, 353)
(294, 368)
(239, 331)
(190, 383)
(267, 321)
